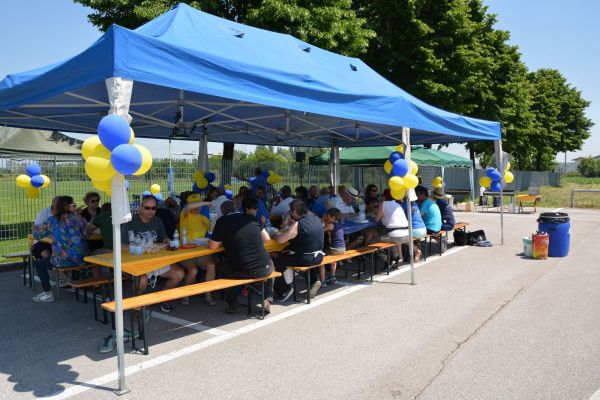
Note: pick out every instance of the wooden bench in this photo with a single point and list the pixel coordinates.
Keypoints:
(60, 270)
(297, 270)
(440, 236)
(139, 302)
(25, 256)
(384, 246)
(94, 284)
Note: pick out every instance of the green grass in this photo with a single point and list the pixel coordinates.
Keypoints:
(561, 196)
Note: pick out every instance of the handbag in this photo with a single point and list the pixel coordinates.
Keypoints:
(460, 237)
(475, 237)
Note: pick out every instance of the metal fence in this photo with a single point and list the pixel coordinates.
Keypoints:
(67, 175)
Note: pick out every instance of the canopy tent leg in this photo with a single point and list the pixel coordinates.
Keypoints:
(500, 166)
(203, 152)
(410, 197)
(472, 185)
(119, 94)
(334, 167)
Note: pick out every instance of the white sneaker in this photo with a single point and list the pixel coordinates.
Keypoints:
(44, 297)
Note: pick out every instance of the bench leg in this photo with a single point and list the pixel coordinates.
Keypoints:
(249, 289)
(294, 285)
(307, 286)
(262, 300)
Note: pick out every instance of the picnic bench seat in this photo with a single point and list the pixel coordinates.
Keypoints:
(25, 256)
(299, 269)
(440, 235)
(138, 303)
(94, 284)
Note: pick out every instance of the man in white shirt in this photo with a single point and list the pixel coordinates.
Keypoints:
(221, 198)
(344, 202)
(284, 205)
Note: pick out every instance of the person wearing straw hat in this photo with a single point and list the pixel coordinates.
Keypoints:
(448, 220)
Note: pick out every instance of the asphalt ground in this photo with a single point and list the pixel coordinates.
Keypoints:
(480, 323)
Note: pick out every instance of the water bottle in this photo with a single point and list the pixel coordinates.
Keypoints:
(131, 242)
(138, 245)
(184, 238)
(212, 219)
(175, 242)
(268, 225)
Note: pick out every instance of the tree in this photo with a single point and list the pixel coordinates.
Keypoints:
(589, 167)
(330, 24)
(561, 124)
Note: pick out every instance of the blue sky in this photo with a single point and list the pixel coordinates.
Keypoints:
(550, 34)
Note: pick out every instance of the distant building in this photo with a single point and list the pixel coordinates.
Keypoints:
(573, 164)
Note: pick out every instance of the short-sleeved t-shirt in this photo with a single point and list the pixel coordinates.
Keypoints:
(256, 182)
(416, 220)
(446, 212)
(196, 226)
(310, 235)
(431, 215)
(240, 235)
(155, 227)
(104, 222)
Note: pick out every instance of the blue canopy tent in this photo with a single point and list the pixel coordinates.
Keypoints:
(191, 75)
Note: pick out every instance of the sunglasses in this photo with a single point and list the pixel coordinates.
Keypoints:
(73, 204)
(150, 208)
(94, 200)
(373, 190)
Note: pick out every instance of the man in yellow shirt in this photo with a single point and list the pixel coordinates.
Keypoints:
(194, 226)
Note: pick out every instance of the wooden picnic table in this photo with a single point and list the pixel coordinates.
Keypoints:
(140, 265)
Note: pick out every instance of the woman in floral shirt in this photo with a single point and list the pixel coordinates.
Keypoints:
(69, 245)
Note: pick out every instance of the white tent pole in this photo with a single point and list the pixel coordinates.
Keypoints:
(203, 152)
(500, 167)
(119, 94)
(472, 185)
(410, 196)
(335, 167)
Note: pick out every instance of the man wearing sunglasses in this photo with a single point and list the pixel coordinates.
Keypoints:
(147, 222)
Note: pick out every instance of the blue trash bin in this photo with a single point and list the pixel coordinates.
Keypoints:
(558, 227)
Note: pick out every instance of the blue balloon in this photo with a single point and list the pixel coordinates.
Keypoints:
(146, 193)
(33, 169)
(265, 174)
(37, 181)
(158, 197)
(195, 188)
(229, 194)
(210, 177)
(495, 187)
(493, 174)
(113, 131)
(489, 171)
(396, 155)
(126, 159)
(400, 167)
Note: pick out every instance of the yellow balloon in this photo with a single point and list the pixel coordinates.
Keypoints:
(46, 182)
(103, 186)
(89, 146)
(100, 151)
(227, 187)
(271, 179)
(438, 185)
(202, 183)
(198, 176)
(437, 179)
(485, 181)
(131, 136)
(400, 148)
(387, 167)
(508, 177)
(99, 169)
(271, 172)
(398, 194)
(155, 189)
(396, 183)
(411, 181)
(414, 168)
(32, 192)
(23, 181)
(507, 166)
(146, 160)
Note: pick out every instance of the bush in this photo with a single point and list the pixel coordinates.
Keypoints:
(589, 167)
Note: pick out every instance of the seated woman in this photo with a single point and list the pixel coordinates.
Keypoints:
(195, 225)
(69, 246)
(371, 199)
(418, 229)
(392, 217)
(91, 210)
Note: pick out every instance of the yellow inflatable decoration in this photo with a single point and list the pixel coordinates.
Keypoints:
(398, 194)
(387, 167)
(32, 192)
(411, 181)
(23, 181)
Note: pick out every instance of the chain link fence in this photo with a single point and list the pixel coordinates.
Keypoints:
(67, 176)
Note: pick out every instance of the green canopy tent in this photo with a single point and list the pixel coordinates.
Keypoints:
(376, 156)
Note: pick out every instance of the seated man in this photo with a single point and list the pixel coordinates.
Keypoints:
(195, 226)
(345, 203)
(142, 223)
(242, 237)
(446, 212)
(429, 210)
(284, 205)
(305, 238)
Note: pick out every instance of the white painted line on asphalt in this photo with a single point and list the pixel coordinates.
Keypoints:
(102, 381)
(596, 396)
(188, 324)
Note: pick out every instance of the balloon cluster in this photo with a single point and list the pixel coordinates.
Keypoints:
(492, 178)
(112, 151)
(154, 191)
(437, 182)
(271, 177)
(33, 182)
(403, 174)
(203, 181)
